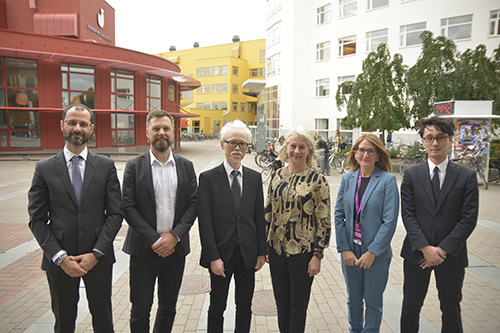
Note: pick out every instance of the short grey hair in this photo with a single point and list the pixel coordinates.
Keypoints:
(235, 124)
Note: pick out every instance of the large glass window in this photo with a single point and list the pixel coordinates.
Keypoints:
(271, 108)
(372, 4)
(409, 35)
(323, 51)
(347, 88)
(322, 87)
(205, 105)
(78, 85)
(187, 94)
(122, 129)
(324, 14)
(255, 72)
(219, 88)
(204, 71)
(456, 28)
(122, 90)
(375, 38)
(321, 126)
(347, 45)
(153, 84)
(219, 70)
(219, 105)
(494, 23)
(273, 65)
(347, 7)
(171, 91)
(204, 89)
(273, 34)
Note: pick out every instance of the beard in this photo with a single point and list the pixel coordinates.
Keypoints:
(70, 136)
(161, 144)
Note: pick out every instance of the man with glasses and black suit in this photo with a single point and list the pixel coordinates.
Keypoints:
(439, 207)
(75, 214)
(232, 228)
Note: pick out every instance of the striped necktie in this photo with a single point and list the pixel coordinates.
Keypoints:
(76, 176)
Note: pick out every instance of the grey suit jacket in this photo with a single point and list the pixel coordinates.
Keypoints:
(139, 205)
(221, 227)
(58, 222)
(446, 223)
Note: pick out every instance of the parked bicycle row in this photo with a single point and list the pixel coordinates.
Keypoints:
(198, 137)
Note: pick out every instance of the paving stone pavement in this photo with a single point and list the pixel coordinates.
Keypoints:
(25, 300)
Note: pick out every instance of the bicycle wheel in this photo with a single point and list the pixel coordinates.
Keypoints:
(346, 167)
(481, 175)
(266, 173)
(338, 164)
(403, 165)
(257, 159)
(494, 173)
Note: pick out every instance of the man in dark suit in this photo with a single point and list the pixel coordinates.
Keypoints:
(232, 228)
(439, 206)
(75, 214)
(159, 203)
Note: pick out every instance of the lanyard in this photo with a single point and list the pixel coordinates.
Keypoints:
(359, 203)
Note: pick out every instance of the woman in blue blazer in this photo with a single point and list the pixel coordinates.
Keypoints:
(366, 214)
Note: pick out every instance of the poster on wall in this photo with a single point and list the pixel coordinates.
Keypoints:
(470, 133)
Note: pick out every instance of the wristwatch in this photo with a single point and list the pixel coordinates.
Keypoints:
(99, 255)
(318, 254)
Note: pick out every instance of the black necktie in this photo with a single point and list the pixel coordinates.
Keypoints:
(76, 176)
(435, 184)
(236, 189)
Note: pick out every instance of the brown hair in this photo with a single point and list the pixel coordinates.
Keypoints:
(384, 160)
(158, 114)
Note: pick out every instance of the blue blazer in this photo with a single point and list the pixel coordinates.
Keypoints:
(379, 213)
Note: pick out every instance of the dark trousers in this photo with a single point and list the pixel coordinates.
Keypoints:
(292, 289)
(64, 294)
(449, 281)
(144, 271)
(245, 282)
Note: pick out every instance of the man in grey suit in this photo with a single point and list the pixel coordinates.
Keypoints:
(439, 206)
(159, 203)
(75, 214)
(232, 228)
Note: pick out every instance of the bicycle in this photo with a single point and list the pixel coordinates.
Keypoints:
(337, 161)
(493, 173)
(270, 169)
(474, 156)
(412, 159)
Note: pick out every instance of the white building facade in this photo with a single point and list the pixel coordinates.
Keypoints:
(313, 45)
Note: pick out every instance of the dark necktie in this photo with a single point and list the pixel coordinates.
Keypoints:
(435, 184)
(76, 176)
(236, 189)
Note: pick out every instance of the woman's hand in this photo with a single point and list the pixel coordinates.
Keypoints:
(349, 257)
(314, 266)
(366, 260)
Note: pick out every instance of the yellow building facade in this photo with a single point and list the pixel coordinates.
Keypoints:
(222, 70)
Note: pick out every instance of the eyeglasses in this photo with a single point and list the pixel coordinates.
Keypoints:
(362, 151)
(233, 144)
(73, 123)
(439, 138)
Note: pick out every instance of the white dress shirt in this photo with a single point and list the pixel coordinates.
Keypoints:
(68, 155)
(442, 170)
(230, 177)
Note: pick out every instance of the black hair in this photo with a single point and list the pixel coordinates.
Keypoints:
(79, 107)
(445, 125)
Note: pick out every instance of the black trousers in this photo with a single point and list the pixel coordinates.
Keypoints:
(144, 272)
(449, 281)
(244, 282)
(292, 289)
(64, 294)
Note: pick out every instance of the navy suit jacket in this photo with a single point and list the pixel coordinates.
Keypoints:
(58, 222)
(139, 205)
(379, 213)
(221, 227)
(447, 223)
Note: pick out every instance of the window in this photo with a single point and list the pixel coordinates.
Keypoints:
(171, 91)
(254, 72)
(122, 89)
(409, 35)
(234, 106)
(323, 51)
(272, 6)
(204, 89)
(219, 70)
(219, 88)
(273, 34)
(456, 28)
(122, 129)
(494, 23)
(347, 88)
(347, 45)
(219, 105)
(195, 124)
(262, 55)
(78, 85)
(321, 126)
(205, 105)
(235, 88)
(153, 84)
(243, 106)
(204, 71)
(187, 94)
(252, 107)
(271, 107)
(324, 14)
(273, 65)
(375, 38)
(347, 7)
(372, 4)
(235, 70)
(322, 87)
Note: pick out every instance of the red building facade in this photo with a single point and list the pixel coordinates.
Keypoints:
(55, 53)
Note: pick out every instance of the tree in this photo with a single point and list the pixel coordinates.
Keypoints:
(431, 79)
(378, 96)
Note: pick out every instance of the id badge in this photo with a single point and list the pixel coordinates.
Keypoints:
(358, 232)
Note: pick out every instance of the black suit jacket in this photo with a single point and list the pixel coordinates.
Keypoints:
(447, 223)
(58, 222)
(139, 205)
(221, 228)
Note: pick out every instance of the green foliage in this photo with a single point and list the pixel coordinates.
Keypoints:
(495, 150)
(393, 153)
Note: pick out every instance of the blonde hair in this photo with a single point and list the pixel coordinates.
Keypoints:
(301, 131)
(384, 160)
